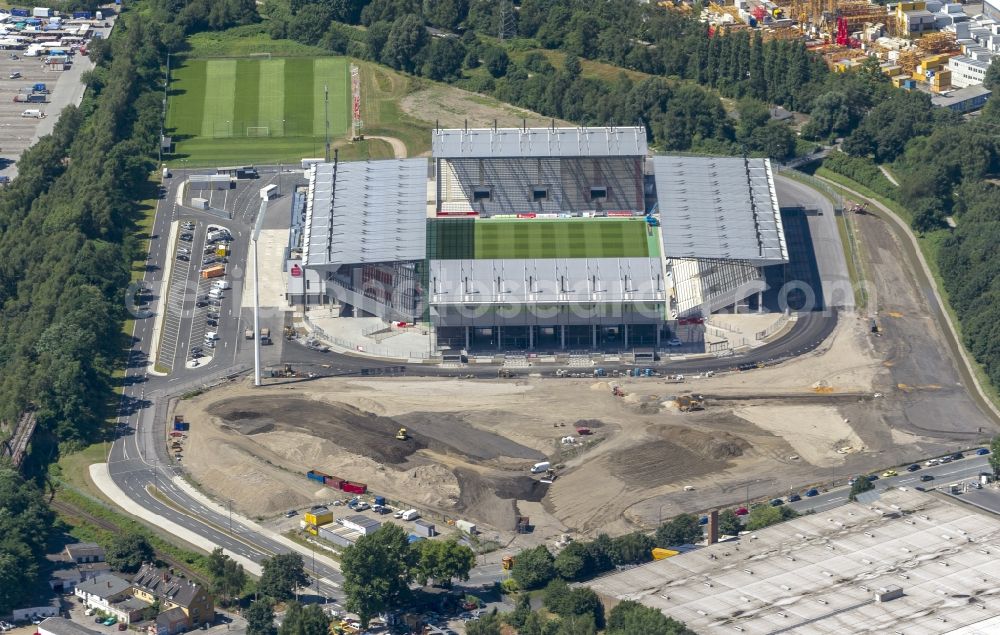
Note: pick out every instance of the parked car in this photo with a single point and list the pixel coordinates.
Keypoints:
(121, 625)
(675, 342)
(775, 502)
(794, 498)
(889, 473)
(982, 451)
(290, 513)
(211, 322)
(873, 477)
(187, 237)
(913, 468)
(703, 520)
(184, 257)
(931, 462)
(957, 456)
(188, 225)
(812, 492)
(927, 477)
(201, 303)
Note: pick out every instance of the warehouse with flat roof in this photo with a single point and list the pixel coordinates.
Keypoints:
(543, 238)
(903, 562)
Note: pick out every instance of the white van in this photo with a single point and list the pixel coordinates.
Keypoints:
(215, 293)
(211, 336)
(33, 114)
(538, 468)
(221, 285)
(410, 514)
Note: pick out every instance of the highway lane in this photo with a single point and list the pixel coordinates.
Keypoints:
(944, 475)
(139, 459)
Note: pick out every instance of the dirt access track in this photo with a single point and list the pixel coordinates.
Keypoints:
(473, 441)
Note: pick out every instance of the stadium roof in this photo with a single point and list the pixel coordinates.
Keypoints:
(819, 574)
(371, 211)
(492, 143)
(715, 207)
(547, 280)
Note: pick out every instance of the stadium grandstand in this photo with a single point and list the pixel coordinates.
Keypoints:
(544, 238)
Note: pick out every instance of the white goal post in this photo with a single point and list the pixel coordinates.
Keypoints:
(258, 131)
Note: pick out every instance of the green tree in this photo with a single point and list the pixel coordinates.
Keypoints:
(405, 43)
(679, 530)
(994, 459)
(495, 60)
(281, 575)
(22, 544)
(127, 551)
(860, 484)
(444, 59)
(310, 23)
(488, 624)
(766, 515)
(729, 523)
(634, 548)
(533, 568)
(442, 560)
(575, 561)
(260, 618)
(377, 571)
(310, 620)
(631, 618)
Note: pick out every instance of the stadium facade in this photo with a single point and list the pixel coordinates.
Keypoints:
(543, 238)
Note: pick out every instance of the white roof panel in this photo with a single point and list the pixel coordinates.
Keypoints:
(719, 207)
(371, 211)
(491, 143)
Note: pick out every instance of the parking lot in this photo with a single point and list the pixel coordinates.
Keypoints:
(17, 133)
(193, 309)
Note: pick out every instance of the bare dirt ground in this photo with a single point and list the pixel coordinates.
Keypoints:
(454, 108)
(472, 442)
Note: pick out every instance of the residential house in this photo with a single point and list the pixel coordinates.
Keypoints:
(102, 591)
(83, 552)
(152, 584)
(170, 622)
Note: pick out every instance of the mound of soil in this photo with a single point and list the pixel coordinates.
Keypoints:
(593, 424)
(356, 430)
(452, 430)
(492, 500)
(717, 445)
(659, 462)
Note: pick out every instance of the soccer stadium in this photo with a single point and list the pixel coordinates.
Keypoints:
(544, 238)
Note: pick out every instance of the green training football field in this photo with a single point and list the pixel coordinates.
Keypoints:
(451, 239)
(256, 110)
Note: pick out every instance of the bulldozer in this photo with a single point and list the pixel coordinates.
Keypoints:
(402, 434)
(690, 403)
(505, 373)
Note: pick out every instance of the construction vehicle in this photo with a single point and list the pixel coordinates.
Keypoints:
(248, 333)
(690, 403)
(548, 477)
(284, 371)
(562, 372)
(505, 373)
(289, 333)
(600, 372)
(265, 335)
(617, 391)
(402, 435)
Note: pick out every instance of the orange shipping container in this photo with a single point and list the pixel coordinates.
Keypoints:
(213, 272)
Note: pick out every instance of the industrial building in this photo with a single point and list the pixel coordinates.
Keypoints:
(542, 238)
(900, 562)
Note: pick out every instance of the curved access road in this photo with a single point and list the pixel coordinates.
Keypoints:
(926, 282)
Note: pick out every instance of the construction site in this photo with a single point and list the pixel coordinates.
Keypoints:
(631, 450)
(912, 41)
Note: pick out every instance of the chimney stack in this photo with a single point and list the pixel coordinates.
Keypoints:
(713, 527)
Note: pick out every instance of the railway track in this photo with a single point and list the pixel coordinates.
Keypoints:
(66, 509)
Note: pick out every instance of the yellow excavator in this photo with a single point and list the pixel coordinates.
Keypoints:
(402, 435)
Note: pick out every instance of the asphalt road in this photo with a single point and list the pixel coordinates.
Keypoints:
(139, 458)
(944, 475)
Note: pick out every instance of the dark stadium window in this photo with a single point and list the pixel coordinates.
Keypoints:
(598, 193)
(539, 193)
(481, 194)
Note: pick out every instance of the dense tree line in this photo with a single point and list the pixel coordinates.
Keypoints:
(65, 226)
(23, 519)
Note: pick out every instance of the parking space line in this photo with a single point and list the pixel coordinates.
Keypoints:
(175, 310)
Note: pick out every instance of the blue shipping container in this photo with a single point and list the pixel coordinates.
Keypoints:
(20, 12)
(380, 500)
(82, 15)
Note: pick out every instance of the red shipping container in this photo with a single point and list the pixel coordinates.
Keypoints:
(333, 481)
(354, 488)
